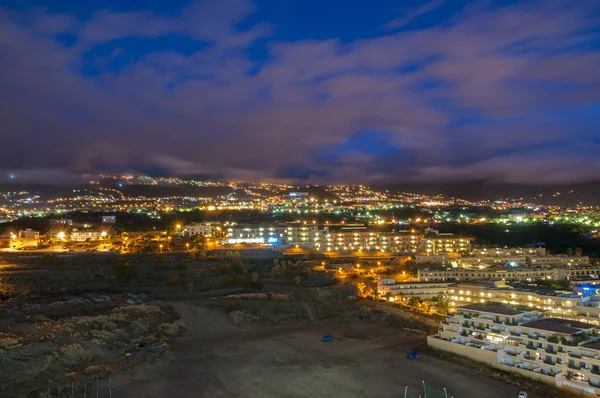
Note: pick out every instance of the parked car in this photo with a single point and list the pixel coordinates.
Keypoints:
(523, 394)
(413, 355)
(327, 338)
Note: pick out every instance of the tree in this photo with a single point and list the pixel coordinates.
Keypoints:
(228, 255)
(414, 301)
(275, 262)
(569, 251)
(297, 279)
(255, 276)
(441, 304)
(579, 251)
(426, 305)
(125, 272)
(282, 263)
(275, 271)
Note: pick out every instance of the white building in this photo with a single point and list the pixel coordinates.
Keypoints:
(557, 260)
(204, 229)
(434, 259)
(273, 235)
(84, 235)
(485, 261)
(508, 251)
(423, 290)
(446, 244)
(563, 353)
(520, 273)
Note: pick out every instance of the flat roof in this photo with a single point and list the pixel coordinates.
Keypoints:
(592, 346)
(552, 325)
(492, 309)
(571, 323)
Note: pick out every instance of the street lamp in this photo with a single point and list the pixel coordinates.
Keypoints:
(187, 246)
(161, 246)
(61, 235)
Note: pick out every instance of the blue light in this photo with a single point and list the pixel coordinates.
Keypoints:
(272, 240)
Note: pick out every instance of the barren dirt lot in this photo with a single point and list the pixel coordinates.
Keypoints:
(218, 360)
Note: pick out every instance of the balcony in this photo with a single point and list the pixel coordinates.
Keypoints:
(530, 346)
(482, 328)
(549, 362)
(550, 351)
(573, 366)
(512, 354)
(595, 371)
(574, 355)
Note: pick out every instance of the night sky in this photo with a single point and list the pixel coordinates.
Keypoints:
(308, 90)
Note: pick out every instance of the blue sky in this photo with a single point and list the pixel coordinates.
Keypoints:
(336, 91)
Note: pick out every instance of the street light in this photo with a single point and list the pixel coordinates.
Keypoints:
(160, 247)
(187, 246)
(61, 235)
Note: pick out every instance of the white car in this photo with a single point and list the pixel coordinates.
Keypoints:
(522, 394)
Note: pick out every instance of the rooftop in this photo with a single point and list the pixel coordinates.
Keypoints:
(592, 346)
(571, 323)
(491, 309)
(556, 325)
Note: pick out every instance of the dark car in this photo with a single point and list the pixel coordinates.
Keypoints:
(327, 338)
(413, 355)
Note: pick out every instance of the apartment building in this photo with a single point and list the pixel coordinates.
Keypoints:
(86, 235)
(520, 273)
(556, 351)
(423, 290)
(354, 239)
(564, 304)
(508, 251)
(203, 229)
(485, 261)
(274, 235)
(546, 261)
(446, 244)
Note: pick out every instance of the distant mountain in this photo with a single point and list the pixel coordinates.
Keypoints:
(587, 193)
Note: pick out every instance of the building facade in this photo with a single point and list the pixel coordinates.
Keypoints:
(25, 238)
(446, 244)
(515, 274)
(424, 291)
(562, 352)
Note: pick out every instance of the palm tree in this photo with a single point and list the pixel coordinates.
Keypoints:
(579, 251)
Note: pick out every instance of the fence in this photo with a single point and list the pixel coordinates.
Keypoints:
(428, 392)
(90, 387)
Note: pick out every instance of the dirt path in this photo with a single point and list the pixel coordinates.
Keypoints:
(203, 322)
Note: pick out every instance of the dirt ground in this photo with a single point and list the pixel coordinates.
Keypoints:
(219, 360)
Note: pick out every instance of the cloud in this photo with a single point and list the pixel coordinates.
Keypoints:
(411, 15)
(494, 93)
